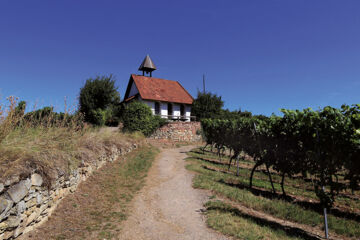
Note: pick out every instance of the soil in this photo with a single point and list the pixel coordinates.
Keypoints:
(168, 207)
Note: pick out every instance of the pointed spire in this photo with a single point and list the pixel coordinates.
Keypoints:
(147, 65)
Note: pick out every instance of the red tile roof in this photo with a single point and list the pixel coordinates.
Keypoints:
(158, 89)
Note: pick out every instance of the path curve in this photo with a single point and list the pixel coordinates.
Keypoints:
(168, 207)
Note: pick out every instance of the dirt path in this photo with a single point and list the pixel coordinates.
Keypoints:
(168, 207)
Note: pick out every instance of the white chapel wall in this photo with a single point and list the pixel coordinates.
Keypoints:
(164, 109)
(187, 112)
(176, 109)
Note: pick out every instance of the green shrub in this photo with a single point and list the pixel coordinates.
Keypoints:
(137, 116)
(158, 122)
(98, 117)
(113, 115)
(100, 93)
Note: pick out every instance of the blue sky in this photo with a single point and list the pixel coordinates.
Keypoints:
(258, 55)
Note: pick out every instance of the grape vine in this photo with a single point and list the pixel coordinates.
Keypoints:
(323, 144)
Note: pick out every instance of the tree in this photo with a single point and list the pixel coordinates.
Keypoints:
(137, 116)
(98, 97)
(207, 105)
(227, 114)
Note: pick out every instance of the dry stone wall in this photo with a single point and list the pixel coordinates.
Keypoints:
(179, 132)
(26, 204)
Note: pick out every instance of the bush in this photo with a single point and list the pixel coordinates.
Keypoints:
(113, 115)
(137, 116)
(98, 117)
(99, 95)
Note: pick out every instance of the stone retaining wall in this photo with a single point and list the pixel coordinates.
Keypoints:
(25, 204)
(179, 132)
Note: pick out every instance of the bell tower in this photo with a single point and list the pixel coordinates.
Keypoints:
(147, 66)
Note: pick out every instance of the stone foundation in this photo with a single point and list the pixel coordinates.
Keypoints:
(179, 132)
(26, 204)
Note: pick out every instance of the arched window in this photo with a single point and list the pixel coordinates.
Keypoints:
(170, 110)
(157, 108)
(182, 110)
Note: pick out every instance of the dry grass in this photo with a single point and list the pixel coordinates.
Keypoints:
(51, 147)
(8, 118)
(54, 151)
(101, 203)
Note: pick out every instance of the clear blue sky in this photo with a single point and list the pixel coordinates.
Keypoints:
(258, 55)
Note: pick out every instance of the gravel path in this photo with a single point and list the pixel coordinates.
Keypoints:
(168, 207)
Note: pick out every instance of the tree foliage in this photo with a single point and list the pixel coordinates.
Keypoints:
(207, 105)
(227, 114)
(137, 116)
(99, 101)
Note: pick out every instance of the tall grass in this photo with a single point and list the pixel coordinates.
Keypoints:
(8, 118)
(13, 117)
(49, 143)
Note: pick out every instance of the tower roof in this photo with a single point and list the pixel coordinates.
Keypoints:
(147, 65)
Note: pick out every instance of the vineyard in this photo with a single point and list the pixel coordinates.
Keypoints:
(304, 161)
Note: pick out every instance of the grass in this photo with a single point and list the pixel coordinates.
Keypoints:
(50, 143)
(126, 180)
(44, 149)
(235, 188)
(54, 145)
(294, 186)
(103, 201)
(227, 220)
